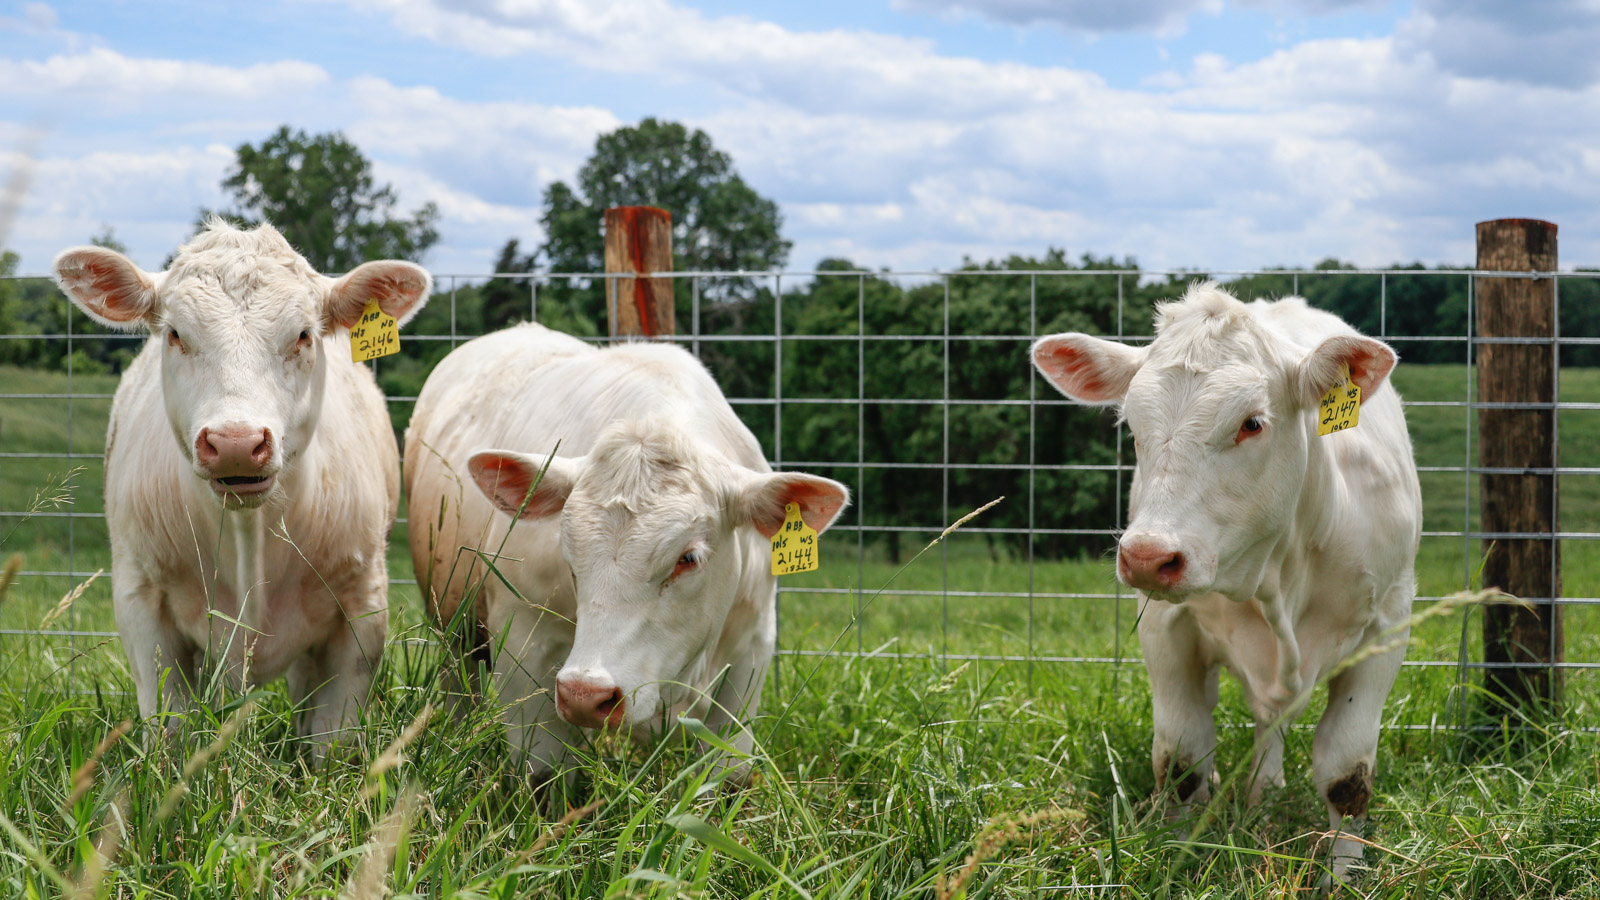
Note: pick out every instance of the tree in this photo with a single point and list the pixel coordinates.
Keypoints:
(718, 222)
(319, 191)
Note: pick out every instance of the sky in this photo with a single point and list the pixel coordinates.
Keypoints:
(907, 135)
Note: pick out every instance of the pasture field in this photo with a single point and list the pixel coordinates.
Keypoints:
(885, 776)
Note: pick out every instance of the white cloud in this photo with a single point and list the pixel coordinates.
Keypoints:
(1546, 43)
(150, 199)
(834, 70)
(105, 78)
(506, 150)
(1093, 16)
(884, 149)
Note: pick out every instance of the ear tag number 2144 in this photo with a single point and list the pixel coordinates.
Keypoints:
(794, 547)
(377, 334)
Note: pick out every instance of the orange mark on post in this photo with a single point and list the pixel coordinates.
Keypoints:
(632, 220)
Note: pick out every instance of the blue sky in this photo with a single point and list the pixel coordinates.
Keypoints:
(907, 134)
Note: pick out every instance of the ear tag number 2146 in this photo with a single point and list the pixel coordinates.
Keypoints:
(1340, 408)
(794, 547)
(377, 334)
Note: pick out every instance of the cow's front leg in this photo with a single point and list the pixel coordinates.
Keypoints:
(160, 659)
(332, 683)
(1344, 754)
(1183, 689)
(529, 648)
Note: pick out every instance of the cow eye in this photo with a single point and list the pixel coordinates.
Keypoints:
(174, 339)
(686, 562)
(1249, 427)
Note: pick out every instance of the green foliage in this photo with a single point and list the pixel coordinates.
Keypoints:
(719, 223)
(318, 190)
(509, 300)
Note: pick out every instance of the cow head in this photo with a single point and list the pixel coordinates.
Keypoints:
(1218, 409)
(243, 322)
(651, 528)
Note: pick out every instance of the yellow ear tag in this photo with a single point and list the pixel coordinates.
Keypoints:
(1340, 408)
(377, 334)
(794, 547)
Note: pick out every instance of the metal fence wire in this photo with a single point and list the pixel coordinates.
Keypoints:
(751, 330)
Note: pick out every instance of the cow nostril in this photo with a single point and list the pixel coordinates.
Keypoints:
(613, 701)
(261, 454)
(203, 448)
(1173, 567)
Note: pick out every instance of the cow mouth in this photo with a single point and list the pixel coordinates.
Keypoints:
(244, 485)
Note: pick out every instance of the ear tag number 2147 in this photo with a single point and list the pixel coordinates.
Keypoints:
(1340, 408)
(377, 334)
(794, 547)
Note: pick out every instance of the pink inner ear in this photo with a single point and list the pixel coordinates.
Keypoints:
(1080, 367)
(1369, 366)
(110, 288)
(1072, 369)
(506, 481)
(819, 504)
(397, 287)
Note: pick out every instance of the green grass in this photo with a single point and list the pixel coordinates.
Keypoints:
(877, 773)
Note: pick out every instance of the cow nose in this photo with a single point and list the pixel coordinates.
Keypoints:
(589, 704)
(1150, 565)
(234, 450)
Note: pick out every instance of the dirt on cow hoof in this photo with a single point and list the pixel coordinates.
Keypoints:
(1188, 784)
(1351, 794)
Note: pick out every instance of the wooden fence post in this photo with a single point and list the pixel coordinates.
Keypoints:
(1520, 445)
(639, 240)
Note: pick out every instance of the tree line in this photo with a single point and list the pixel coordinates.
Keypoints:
(848, 333)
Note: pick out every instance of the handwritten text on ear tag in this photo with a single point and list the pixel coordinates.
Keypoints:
(377, 334)
(1340, 408)
(794, 547)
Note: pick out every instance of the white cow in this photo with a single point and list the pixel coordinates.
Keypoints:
(643, 559)
(251, 471)
(1255, 543)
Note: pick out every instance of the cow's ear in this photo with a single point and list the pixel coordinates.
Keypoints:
(1370, 362)
(108, 286)
(1087, 369)
(401, 289)
(506, 477)
(764, 499)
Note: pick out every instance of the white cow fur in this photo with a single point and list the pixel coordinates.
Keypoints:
(652, 462)
(1300, 547)
(291, 582)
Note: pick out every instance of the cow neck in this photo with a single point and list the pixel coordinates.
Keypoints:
(1321, 503)
(1314, 518)
(249, 552)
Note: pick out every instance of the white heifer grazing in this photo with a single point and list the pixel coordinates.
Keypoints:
(1257, 544)
(244, 411)
(643, 555)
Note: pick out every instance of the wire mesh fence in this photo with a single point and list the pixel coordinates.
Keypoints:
(915, 389)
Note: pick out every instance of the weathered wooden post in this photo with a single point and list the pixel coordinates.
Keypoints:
(1517, 449)
(639, 240)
